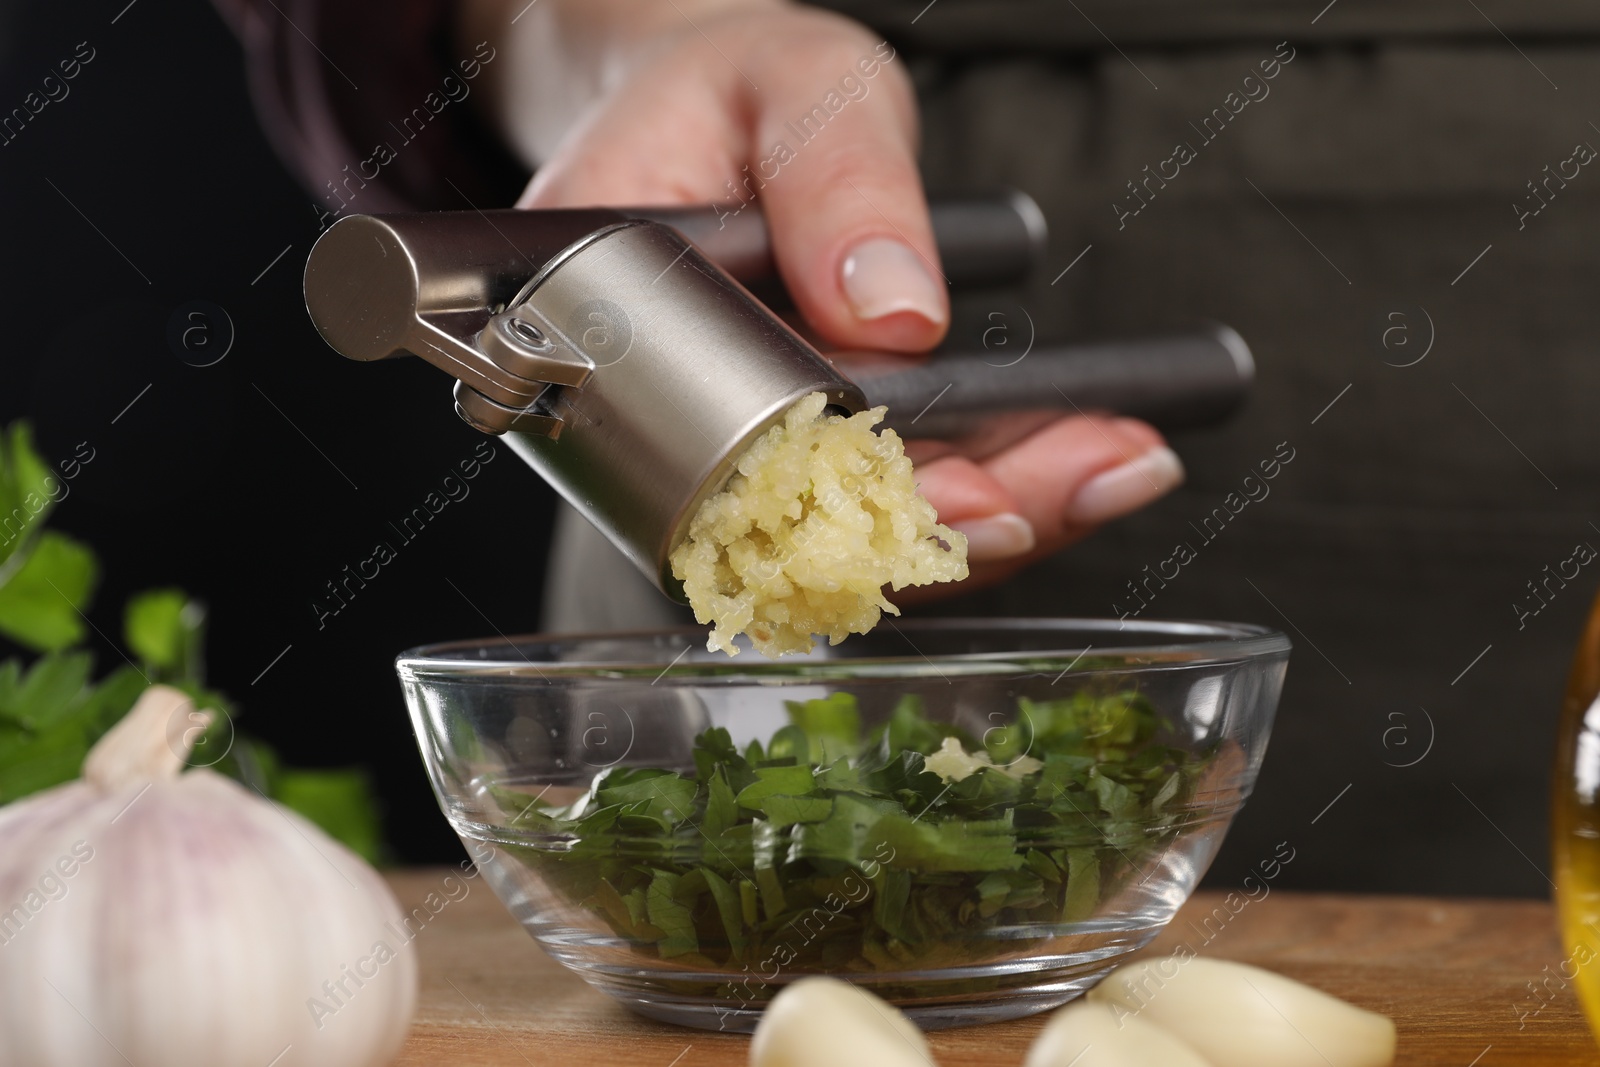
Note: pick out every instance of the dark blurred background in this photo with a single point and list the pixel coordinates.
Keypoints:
(1416, 508)
(252, 482)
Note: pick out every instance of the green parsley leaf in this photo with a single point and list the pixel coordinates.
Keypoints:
(43, 597)
(832, 726)
(775, 781)
(662, 795)
(722, 810)
(25, 491)
(671, 915)
(786, 811)
(163, 628)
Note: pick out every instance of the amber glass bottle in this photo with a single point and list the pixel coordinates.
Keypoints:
(1575, 822)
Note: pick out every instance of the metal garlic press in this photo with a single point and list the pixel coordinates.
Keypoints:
(621, 355)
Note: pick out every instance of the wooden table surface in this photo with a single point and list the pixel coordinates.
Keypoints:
(1454, 975)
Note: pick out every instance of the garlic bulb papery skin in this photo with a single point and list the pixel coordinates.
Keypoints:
(161, 919)
(1241, 1016)
(824, 1022)
(1091, 1035)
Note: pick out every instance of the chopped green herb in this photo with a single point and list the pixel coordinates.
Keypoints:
(837, 848)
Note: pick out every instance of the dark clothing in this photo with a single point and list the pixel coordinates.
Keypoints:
(333, 82)
(1405, 182)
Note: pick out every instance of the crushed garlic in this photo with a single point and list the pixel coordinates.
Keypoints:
(820, 514)
(953, 763)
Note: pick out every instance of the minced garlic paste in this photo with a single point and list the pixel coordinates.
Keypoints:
(819, 516)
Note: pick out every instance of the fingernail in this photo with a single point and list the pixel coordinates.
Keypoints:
(996, 537)
(1115, 492)
(882, 276)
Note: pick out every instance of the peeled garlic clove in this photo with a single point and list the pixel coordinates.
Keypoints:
(153, 917)
(1242, 1016)
(1092, 1035)
(823, 1022)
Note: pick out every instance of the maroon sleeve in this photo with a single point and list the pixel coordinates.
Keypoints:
(369, 103)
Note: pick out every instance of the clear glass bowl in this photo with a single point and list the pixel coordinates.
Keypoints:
(975, 819)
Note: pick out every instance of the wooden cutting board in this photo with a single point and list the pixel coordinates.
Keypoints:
(1454, 974)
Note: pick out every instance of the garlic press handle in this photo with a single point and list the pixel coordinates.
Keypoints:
(1175, 381)
(984, 239)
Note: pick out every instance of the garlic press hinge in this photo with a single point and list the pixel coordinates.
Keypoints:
(455, 290)
(517, 357)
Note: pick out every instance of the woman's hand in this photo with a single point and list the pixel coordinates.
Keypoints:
(621, 102)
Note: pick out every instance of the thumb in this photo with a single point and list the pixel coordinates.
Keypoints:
(844, 202)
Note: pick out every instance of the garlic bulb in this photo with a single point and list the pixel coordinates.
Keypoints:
(823, 1022)
(149, 917)
(1092, 1035)
(1241, 1016)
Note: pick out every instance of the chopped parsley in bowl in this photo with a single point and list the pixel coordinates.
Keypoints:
(976, 825)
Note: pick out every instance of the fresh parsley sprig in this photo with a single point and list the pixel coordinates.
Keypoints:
(53, 709)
